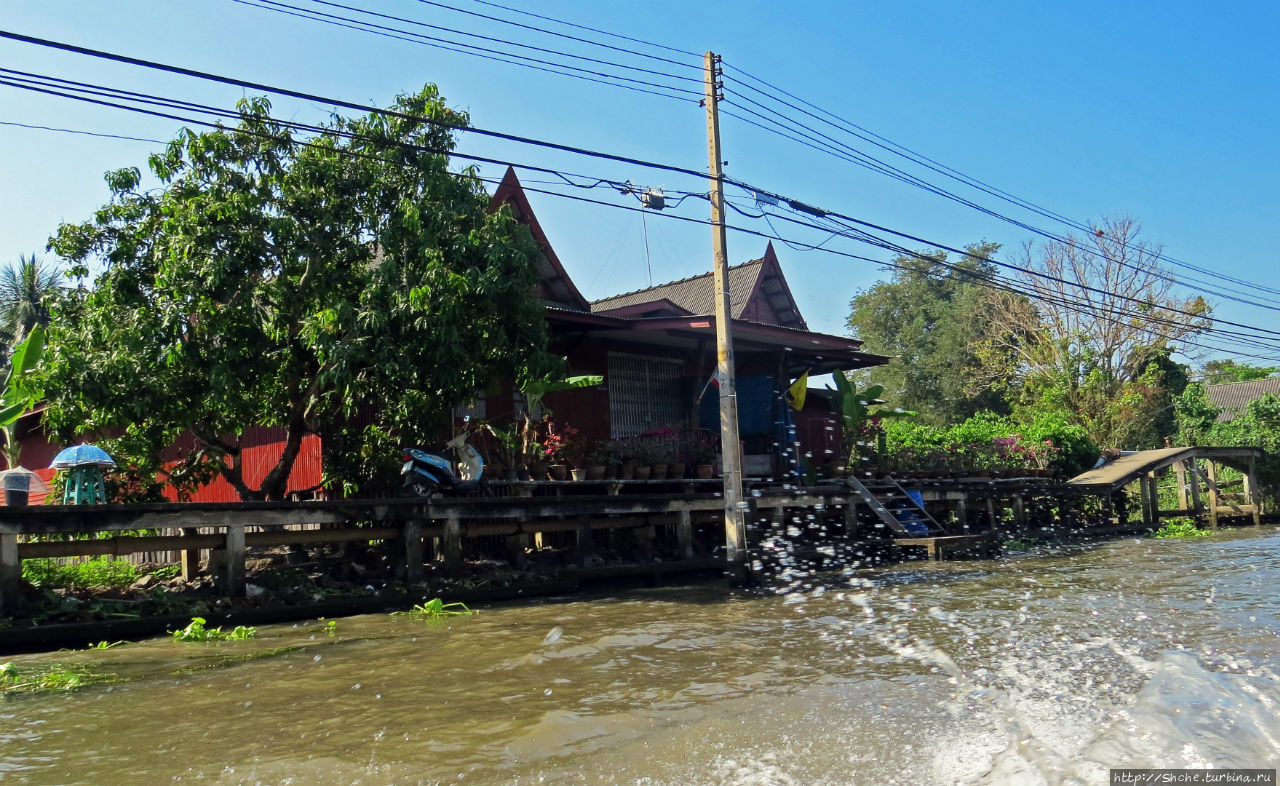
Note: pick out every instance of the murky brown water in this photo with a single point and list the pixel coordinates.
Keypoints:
(1046, 668)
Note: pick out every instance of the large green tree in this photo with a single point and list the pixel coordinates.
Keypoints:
(933, 317)
(345, 283)
(1107, 324)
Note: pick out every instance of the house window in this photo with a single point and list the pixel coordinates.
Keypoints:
(644, 394)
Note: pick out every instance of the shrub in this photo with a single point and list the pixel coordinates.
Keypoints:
(96, 572)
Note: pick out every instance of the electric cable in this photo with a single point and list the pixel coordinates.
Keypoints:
(620, 36)
(486, 53)
(244, 83)
(889, 145)
(793, 203)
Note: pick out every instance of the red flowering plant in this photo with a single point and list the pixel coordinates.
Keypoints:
(563, 444)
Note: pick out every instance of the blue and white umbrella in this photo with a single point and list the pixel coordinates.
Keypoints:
(82, 455)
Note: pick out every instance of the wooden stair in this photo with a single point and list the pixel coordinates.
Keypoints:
(897, 509)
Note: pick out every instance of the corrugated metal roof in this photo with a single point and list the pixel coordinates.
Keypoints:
(695, 294)
(1233, 397)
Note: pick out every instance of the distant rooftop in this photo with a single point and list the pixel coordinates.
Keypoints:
(1233, 397)
(696, 295)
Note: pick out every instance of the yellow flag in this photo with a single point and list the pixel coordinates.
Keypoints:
(797, 391)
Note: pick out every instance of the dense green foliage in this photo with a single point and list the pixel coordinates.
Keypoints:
(346, 284)
(98, 572)
(1217, 372)
(932, 317)
(1258, 426)
(988, 441)
(1049, 341)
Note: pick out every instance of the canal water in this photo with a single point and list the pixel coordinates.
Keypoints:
(1047, 667)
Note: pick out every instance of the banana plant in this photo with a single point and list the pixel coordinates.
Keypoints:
(856, 407)
(535, 389)
(17, 393)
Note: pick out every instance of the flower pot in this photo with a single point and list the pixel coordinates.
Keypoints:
(642, 472)
(578, 474)
(595, 472)
(705, 471)
(523, 474)
(16, 498)
(538, 471)
(559, 471)
(627, 471)
(675, 471)
(658, 472)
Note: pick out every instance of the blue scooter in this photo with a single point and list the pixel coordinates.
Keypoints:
(427, 473)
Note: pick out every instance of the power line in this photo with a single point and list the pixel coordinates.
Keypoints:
(847, 153)
(430, 121)
(79, 132)
(996, 284)
(588, 29)
(486, 53)
(559, 35)
(243, 83)
(916, 239)
(56, 86)
(884, 143)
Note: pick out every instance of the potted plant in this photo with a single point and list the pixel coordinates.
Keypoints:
(703, 456)
(506, 449)
(597, 461)
(563, 449)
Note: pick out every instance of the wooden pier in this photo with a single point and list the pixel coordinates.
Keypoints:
(835, 519)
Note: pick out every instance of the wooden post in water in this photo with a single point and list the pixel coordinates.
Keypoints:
(1019, 512)
(1251, 495)
(1211, 480)
(452, 541)
(1180, 472)
(851, 519)
(1155, 496)
(584, 541)
(412, 547)
(190, 558)
(231, 570)
(1193, 473)
(1144, 495)
(684, 533)
(10, 572)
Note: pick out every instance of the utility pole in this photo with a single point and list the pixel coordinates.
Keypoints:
(730, 446)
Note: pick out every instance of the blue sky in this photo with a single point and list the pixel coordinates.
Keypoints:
(1160, 111)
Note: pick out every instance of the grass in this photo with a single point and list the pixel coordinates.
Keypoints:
(196, 631)
(435, 609)
(96, 572)
(223, 661)
(54, 677)
(1180, 528)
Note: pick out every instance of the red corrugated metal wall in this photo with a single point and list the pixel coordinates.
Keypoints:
(261, 449)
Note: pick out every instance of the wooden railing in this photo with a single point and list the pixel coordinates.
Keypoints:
(415, 526)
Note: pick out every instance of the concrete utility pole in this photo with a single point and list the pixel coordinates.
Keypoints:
(730, 446)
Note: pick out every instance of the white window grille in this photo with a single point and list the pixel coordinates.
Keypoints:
(644, 394)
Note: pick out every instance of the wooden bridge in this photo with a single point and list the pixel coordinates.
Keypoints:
(1193, 467)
